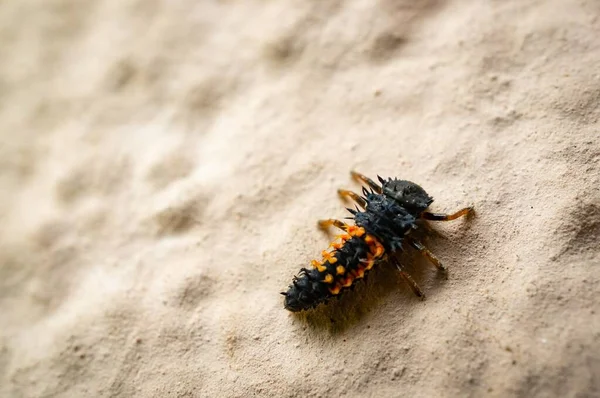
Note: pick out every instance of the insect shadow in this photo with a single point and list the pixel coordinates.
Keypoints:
(381, 234)
(350, 309)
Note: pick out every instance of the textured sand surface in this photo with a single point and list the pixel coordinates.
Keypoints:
(163, 165)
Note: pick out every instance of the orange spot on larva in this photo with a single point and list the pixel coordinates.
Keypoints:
(348, 281)
(336, 245)
(343, 237)
(328, 278)
(318, 266)
(335, 290)
(340, 270)
(329, 257)
(359, 272)
(374, 246)
(354, 230)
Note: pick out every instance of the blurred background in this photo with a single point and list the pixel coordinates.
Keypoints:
(163, 165)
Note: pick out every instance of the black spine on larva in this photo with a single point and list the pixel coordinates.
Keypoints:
(390, 215)
(386, 220)
(352, 252)
(306, 291)
(309, 290)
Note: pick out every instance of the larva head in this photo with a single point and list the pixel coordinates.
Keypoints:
(407, 194)
(304, 292)
(292, 300)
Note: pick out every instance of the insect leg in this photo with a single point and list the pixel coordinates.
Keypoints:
(354, 196)
(426, 253)
(446, 217)
(336, 223)
(361, 178)
(408, 279)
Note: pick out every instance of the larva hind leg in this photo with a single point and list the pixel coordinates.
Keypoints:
(446, 217)
(426, 253)
(408, 279)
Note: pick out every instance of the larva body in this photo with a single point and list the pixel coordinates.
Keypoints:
(390, 212)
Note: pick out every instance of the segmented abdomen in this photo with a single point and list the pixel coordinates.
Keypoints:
(354, 254)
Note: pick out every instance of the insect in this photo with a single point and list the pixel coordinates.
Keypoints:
(390, 212)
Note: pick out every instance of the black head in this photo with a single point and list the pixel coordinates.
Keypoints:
(303, 293)
(292, 300)
(407, 194)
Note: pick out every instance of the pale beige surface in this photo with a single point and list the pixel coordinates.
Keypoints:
(163, 164)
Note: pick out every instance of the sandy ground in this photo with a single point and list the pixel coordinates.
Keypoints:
(163, 164)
